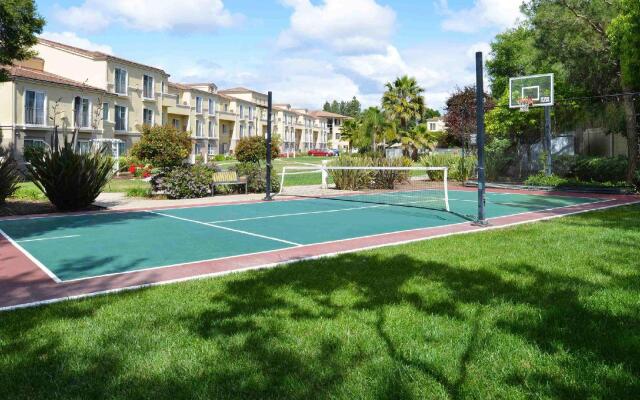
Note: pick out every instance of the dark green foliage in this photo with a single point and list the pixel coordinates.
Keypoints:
(70, 180)
(254, 149)
(497, 158)
(188, 182)
(162, 146)
(257, 177)
(9, 175)
(541, 179)
(368, 179)
(429, 113)
(350, 108)
(19, 24)
(600, 169)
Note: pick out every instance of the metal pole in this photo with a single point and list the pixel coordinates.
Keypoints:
(547, 138)
(480, 137)
(268, 177)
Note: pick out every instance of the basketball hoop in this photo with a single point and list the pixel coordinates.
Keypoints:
(525, 103)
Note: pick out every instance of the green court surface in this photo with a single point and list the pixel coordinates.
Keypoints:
(85, 246)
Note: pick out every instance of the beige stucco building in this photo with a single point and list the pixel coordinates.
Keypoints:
(107, 97)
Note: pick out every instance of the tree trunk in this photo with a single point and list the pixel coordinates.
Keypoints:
(632, 135)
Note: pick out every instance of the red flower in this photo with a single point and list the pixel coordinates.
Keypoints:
(132, 169)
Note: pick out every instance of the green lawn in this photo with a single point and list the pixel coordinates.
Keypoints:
(29, 191)
(546, 310)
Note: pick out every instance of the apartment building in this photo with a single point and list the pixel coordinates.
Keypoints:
(106, 97)
(436, 124)
(36, 103)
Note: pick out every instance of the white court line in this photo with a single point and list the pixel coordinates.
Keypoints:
(46, 238)
(224, 228)
(31, 258)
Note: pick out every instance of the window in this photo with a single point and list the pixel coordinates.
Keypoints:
(198, 128)
(250, 112)
(241, 111)
(176, 123)
(147, 117)
(241, 131)
(224, 129)
(432, 126)
(198, 104)
(250, 130)
(121, 118)
(81, 112)
(34, 143)
(122, 148)
(84, 146)
(211, 129)
(198, 148)
(121, 81)
(212, 107)
(34, 107)
(226, 108)
(147, 87)
(177, 99)
(105, 111)
(211, 149)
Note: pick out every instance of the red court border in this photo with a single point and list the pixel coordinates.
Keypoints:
(24, 284)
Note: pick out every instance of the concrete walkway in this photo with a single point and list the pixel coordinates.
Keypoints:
(118, 201)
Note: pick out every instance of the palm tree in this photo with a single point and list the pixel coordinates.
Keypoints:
(350, 131)
(374, 127)
(416, 139)
(403, 102)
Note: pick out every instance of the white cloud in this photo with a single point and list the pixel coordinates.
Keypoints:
(72, 39)
(344, 26)
(148, 15)
(483, 14)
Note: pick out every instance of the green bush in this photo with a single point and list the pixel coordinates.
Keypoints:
(372, 179)
(256, 177)
(162, 146)
(254, 149)
(541, 179)
(188, 182)
(460, 169)
(70, 180)
(28, 191)
(497, 158)
(600, 169)
(9, 175)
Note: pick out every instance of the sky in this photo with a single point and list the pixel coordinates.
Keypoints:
(305, 51)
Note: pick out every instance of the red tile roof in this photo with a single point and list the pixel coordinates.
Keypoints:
(42, 76)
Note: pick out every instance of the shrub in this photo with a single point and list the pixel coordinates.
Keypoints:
(373, 179)
(388, 179)
(497, 158)
(541, 179)
(253, 149)
(188, 182)
(460, 169)
(70, 180)
(9, 175)
(257, 177)
(600, 169)
(162, 146)
(138, 192)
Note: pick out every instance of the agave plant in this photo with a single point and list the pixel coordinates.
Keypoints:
(9, 175)
(70, 180)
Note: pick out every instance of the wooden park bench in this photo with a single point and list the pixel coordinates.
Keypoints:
(227, 178)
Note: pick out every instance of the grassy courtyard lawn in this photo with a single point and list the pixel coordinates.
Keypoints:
(546, 310)
(29, 191)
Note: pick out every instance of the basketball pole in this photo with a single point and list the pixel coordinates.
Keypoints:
(268, 172)
(547, 138)
(480, 138)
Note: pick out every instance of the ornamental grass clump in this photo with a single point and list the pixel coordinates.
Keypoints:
(9, 175)
(71, 180)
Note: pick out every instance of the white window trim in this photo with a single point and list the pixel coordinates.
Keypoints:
(211, 149)
(152, 87)
(90, 111)
(126, 118)
(198, 111)
(126, 82)
(212, 107)
(45, 107)
(199, 132)
(108, 109)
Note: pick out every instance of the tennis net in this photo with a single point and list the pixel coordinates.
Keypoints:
(420, 187)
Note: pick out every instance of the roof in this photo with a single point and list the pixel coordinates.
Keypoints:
(96, 55)
(42, 76)
(327, 114)
(241, 89)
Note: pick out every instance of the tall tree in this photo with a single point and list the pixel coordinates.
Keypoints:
(403, 102)
(460, 116)
(624, 34)
(327, 106)
(416, 139)
(19, 24)
(375, 128)
(429, 113)
(578, 34)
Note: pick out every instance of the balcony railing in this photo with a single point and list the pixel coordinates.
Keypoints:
(34, 116)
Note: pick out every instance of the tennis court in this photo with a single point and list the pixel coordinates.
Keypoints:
(79, 247)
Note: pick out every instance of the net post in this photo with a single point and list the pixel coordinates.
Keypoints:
(267, 196)
(325, 174)
(284, 171)
(480, 137)
(446, 189)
